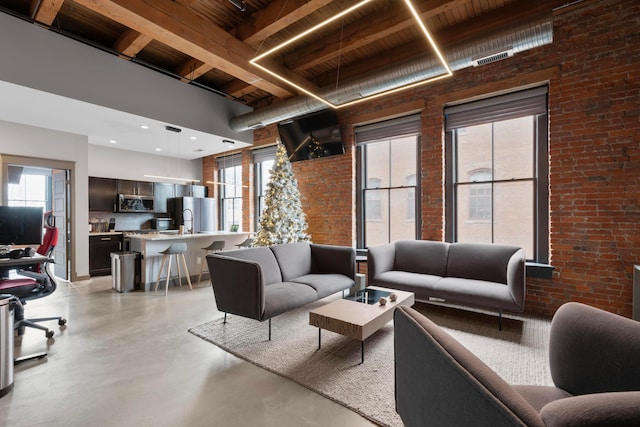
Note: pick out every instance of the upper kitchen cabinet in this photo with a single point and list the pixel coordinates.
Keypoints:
(190, 190)
(162, 192)
(102, 194)
(138, 188)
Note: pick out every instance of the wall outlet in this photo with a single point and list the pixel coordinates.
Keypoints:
(199, 260)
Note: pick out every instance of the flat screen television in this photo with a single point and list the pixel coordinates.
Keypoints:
(312, 136)
(21, 225)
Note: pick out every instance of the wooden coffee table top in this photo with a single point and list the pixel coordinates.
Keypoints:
(358, 320)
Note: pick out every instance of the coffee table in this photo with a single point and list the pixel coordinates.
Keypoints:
(356, 319)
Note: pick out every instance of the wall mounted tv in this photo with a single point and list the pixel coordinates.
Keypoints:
(312, 136)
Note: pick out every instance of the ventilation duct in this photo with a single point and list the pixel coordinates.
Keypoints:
(515, 38)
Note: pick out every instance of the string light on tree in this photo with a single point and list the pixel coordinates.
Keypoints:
(282, 219)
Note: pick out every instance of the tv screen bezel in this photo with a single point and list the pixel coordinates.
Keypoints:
(29, 220)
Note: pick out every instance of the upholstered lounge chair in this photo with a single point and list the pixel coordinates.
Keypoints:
(594, 365)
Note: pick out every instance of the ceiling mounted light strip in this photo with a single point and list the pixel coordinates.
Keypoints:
(423, 28)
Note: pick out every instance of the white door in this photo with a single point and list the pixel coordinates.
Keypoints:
(59, 186)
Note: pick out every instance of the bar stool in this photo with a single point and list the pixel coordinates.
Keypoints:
(216, 246)
(177, 249)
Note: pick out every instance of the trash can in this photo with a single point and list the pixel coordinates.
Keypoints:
(125, 271)
(7, 302)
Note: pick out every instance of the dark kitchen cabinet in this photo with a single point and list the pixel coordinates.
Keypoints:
(100, 248)
(190, 190)
(162, 192)
(103, 193)
(138, 188)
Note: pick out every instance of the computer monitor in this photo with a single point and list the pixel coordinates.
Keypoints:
(21, 225)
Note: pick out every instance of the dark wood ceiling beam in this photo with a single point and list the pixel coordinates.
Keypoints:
(131, 42)
(363, 32)
(177, 27)
(192, 69)
(45, 11)
(467, 30)
(275, 17)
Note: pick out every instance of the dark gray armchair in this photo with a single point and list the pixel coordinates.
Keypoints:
(594, 364)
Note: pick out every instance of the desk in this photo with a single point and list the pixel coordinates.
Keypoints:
(8, 264)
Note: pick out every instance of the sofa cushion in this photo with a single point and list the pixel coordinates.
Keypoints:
(474, 292)
(264, 257)
(325, 284)
(284, 296)
(421, 285)
(480, 261)
(294, 259)
(421, 256)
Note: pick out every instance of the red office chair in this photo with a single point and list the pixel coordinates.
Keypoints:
(37, 283)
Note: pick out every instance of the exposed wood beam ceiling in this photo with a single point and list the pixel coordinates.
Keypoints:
(210, 42)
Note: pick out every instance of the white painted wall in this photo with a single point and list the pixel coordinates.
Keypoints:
(29, 141)
(113, 163)
(90, 160)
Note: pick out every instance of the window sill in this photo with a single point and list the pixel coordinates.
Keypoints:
(540, 271)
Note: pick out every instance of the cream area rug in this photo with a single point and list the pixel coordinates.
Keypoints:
(518, 353)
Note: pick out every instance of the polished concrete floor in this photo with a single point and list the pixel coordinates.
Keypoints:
(128, 360)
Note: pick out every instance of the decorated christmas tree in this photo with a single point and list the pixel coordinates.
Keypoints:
(282, 219)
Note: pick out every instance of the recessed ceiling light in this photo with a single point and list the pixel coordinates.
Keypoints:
(193, 138)
(144, 127)
(158, 149)
(113, 141)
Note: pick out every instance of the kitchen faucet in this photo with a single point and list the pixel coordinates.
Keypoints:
(190, 231)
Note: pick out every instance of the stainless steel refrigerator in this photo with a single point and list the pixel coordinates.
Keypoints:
(196, 212)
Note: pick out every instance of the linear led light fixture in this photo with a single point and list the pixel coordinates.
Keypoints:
(171, 178)
(421, 25)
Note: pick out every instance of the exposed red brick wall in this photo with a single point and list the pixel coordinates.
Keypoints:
(593, 71)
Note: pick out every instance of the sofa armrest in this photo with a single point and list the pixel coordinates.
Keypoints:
(516, 278)
(440, 382)
(334, 259)
(618, 409)
(380, 259)
(238, 286)
(593, 351)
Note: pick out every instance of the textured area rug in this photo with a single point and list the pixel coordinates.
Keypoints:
(518, 353)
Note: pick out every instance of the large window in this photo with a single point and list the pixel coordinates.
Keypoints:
(263, 159)
(29, 187)
(230, 177)
(497, 172)
(387, 183)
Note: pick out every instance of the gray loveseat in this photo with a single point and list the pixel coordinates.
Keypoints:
(593, 358)
(481, 274)
(263, 282)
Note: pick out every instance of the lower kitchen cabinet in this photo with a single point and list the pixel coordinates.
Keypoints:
(100, 248)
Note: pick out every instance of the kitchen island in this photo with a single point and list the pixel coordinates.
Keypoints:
(150, 246)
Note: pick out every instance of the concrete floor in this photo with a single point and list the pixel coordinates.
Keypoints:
(128, 360)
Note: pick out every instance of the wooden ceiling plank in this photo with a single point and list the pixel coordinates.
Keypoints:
(131, 42)
(47, 10)
(276, 17)
(175, 26)
(192, 69)
(361, 33)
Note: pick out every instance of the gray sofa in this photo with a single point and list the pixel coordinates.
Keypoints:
(481, 274)
(593, 358)
(263, 282)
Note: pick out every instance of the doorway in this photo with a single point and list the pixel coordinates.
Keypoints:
(46, 183)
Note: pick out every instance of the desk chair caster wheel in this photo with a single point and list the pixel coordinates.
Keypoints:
(48, 334)
(62, 322)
